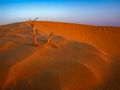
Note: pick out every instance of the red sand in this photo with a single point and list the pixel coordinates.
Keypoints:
(78, 57)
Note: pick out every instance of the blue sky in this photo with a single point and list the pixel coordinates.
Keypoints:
(97, 12)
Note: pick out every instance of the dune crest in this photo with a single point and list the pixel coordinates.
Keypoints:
(77, 57)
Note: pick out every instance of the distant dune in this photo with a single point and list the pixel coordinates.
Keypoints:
(79, 57)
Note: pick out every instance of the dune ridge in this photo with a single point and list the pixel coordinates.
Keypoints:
(78, 57)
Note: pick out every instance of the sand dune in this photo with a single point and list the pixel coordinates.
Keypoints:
(100, 37)
(79, 57)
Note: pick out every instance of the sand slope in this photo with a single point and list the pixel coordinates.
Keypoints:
(100, 37)
(78, 57)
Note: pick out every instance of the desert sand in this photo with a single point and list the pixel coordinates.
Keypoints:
(78, 57)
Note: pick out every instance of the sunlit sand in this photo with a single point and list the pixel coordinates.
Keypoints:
(75, 57)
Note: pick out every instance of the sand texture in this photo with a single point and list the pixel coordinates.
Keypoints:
(78, 57)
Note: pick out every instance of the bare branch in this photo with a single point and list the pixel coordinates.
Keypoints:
(50, 36)
(35, 19)
(34, 31)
